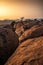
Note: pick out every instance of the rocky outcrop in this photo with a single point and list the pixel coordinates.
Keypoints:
(30, 52)
(33, 32)
(20, 31)
(22, 26)
(8, 43)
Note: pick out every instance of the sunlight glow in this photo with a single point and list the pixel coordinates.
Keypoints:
(3, 11)
(12, 10)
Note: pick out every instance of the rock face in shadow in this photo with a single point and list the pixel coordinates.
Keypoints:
(8, 44)
(29, 52)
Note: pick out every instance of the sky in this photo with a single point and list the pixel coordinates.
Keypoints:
(13, 9)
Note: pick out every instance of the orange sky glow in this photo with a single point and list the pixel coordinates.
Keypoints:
(12, 9)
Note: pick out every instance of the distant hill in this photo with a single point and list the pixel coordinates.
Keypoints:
(4, 22)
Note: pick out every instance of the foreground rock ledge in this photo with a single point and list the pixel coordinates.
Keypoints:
(29, 52)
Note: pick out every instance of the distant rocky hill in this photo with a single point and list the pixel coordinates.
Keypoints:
(4, 22)
(30, 50)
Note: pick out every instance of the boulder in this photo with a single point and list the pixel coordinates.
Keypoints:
(8, 43)
(33, 32)
(30, 52)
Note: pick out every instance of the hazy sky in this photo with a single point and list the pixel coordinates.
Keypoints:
(12, 9)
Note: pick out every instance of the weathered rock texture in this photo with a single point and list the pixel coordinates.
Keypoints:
(29, 52)
(33, 32)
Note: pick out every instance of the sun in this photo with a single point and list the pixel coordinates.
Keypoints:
(3, 10)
